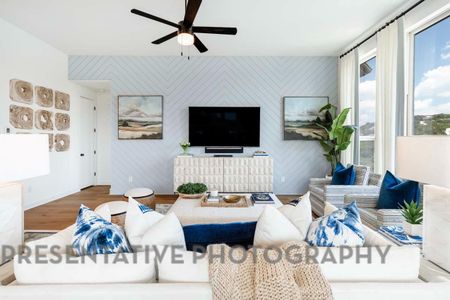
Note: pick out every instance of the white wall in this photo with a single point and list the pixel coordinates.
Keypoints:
(210, 81)
(104, 125)
(23, 56)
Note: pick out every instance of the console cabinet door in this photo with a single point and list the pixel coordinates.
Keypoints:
(235, 178)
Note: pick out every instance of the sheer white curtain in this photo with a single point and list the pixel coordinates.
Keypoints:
(387, 96)
(348, 87)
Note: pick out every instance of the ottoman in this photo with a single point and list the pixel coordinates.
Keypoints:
(118, 211)
(141, 195)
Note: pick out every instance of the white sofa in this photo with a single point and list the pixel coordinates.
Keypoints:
(397, 279)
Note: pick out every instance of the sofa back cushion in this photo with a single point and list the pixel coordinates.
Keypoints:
(362, 174)
(343, 175)
(375, 179)
(177, 265)
(100, 268)
(394, 191)
(369, 264)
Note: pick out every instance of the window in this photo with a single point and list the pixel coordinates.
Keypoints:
(431, 80)
(367, 91)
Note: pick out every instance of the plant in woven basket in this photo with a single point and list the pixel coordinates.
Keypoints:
(192, 188)
(412, 212)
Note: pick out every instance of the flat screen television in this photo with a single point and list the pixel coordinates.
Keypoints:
(224, 126)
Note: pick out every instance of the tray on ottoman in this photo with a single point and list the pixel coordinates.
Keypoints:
(242, 202)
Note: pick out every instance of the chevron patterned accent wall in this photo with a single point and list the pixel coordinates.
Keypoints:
(212, 81)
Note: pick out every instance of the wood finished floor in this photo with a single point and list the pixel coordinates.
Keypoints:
(59, 214)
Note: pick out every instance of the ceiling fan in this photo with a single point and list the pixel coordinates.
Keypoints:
(185, 32)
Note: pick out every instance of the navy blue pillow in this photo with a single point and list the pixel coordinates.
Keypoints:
(395, 191)
(198, 237)
(343, 176)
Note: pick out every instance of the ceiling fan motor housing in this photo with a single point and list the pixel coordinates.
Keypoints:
(184, 29)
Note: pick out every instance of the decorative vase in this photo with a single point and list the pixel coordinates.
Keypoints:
(412, 229)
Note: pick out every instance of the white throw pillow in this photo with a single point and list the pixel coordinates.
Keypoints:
(274, 229)
(139, 219)
(299, 213)
(166, 232)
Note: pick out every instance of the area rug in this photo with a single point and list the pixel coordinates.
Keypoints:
(32, 235)
(162, 208)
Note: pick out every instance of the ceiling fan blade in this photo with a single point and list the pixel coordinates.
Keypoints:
(154, 18)
(191, 12)
(199, 45)
(165, 38)
(215, 30)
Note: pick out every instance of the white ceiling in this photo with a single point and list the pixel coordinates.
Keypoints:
(265, 27)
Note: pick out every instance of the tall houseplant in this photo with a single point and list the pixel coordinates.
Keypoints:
(338, 136)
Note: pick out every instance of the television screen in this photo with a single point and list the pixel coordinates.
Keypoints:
(224, 126)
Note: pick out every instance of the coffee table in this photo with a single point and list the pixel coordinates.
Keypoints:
(189, 211)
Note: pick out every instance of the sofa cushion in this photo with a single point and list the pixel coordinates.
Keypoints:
(299, 213)
(232, 234)
(274, 229)
(343, 175)
(394, 191)
(341, 227)
(100, 268)
(387, 263)
(182, 266)
(95, 235)
(139, 219)
(166, 232)
(362, 174)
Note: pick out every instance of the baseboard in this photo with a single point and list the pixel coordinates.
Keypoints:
(50, 199)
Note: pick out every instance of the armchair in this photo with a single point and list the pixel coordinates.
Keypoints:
(370, 215)
(322, 191)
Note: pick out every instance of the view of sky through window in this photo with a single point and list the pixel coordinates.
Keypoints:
(432, 79)
(367, 92)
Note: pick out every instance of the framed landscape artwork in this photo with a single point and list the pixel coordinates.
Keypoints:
(140, 117)
(300, 114)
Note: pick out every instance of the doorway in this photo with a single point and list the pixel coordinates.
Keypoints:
(87, 143)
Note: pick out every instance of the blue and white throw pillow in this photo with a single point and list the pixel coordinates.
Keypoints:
(138, 220)
(94, 235)
(341, 227)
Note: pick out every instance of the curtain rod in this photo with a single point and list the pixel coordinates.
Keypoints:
(383, 27)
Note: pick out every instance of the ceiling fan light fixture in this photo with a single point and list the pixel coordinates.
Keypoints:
(185, 39)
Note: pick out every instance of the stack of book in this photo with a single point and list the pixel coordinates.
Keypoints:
(262, 198)
(260, 154)
(213, 199)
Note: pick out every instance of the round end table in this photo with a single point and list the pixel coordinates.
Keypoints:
(141, 195)
(118, 211)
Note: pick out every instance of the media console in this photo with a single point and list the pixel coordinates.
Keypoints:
(225, 174)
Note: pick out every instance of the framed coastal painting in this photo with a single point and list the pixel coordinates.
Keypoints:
(300, 116)
(140, 117)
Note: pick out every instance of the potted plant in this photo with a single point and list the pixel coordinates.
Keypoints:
(413, 216)
(338, 136)
(185, 146)
(192, 190)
